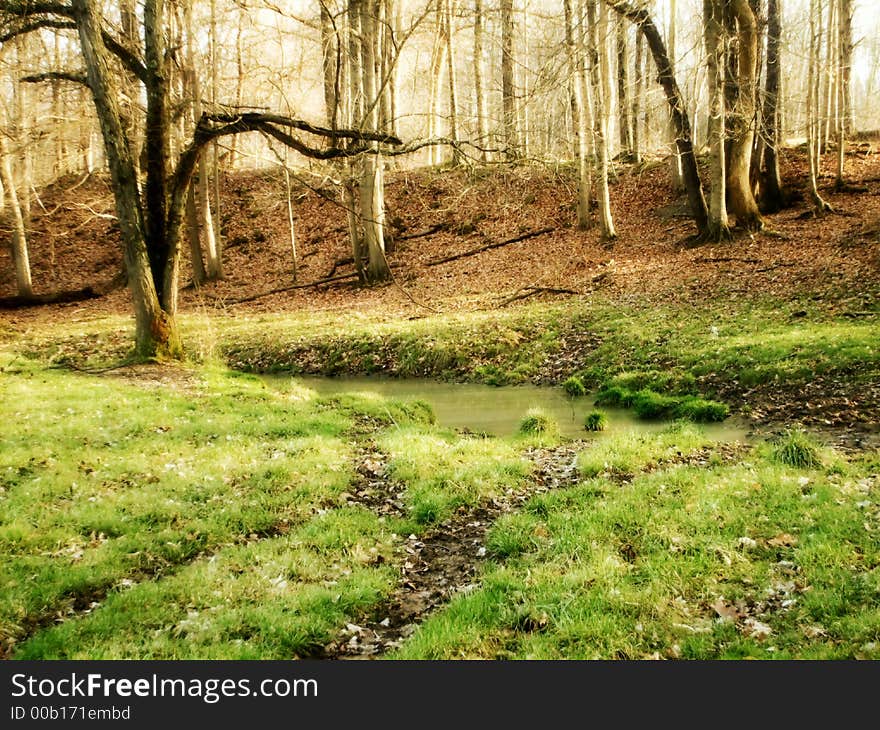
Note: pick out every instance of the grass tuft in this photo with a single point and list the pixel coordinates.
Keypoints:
(796, 449)
(574, 387)
(596, 421)
(538, 423)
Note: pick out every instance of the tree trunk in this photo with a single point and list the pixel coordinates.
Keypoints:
(680, 118)
(19, 233)
(155, 326)
(599, 75)
(451, 80)
(638, 101)
(574, 40)
(329, 65)
(205, 219)
(713, 29)
(508, 90)
(742, 199)
(438, 66)
(814, 136)
(195, 245)
(772, 198)
(845, 22)
(675, 162)
(844, 60)
(479, 83)
(623, 102)
(372, 185)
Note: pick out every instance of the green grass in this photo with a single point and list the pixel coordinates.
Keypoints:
(574, 386)
(746, 560)
(734, 343)
(213, 520)
(596, 421)
(629, 452)
(104, 484)
(443, 471)
(796, 448)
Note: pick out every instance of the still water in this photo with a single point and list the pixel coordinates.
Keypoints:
(499, 410)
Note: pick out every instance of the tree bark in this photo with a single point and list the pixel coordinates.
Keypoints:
(20, 257)
(772, 196)
(814, 135)
(508, 90)
(742, 199)
(599, 76)
(575, 46)
(451, 80)
(155, 328)
(624, 120)
(479, 83)
(638, 98)
(717, 228)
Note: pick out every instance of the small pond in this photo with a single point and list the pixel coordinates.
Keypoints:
(499, 410)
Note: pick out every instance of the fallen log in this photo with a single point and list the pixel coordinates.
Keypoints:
(60, 297)
(488, 246)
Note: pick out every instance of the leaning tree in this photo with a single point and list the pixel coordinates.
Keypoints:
(150, 214)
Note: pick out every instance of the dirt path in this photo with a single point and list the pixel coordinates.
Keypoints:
(444, 561)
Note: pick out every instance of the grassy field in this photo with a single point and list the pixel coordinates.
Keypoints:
(201, 514)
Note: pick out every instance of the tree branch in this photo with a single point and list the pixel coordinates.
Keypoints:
(259, 118)
(128, 58)
(75, 77)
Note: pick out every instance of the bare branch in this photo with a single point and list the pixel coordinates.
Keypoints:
(256, 118)
(73, 76)
(128, 58)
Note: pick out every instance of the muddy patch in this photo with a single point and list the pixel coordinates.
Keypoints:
(445, 560)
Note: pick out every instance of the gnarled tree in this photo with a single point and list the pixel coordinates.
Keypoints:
(150, 218)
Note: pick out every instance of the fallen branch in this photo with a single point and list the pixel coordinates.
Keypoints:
(61, 297)
(430, 232)
(529, 291)
(281, 289)
(338, 263)
(498, 244)
(782, 265)
(724, 259)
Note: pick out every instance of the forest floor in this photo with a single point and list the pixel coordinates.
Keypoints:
(193, 511)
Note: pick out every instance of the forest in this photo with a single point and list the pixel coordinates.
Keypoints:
(439, 329)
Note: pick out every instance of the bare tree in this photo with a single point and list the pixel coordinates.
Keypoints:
(150, 220)
(742, 119)
(599, 76)
(684, 141)
(717, 228)
(19, 232)
(508, 89)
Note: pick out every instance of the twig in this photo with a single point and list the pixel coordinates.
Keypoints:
(497, 244)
